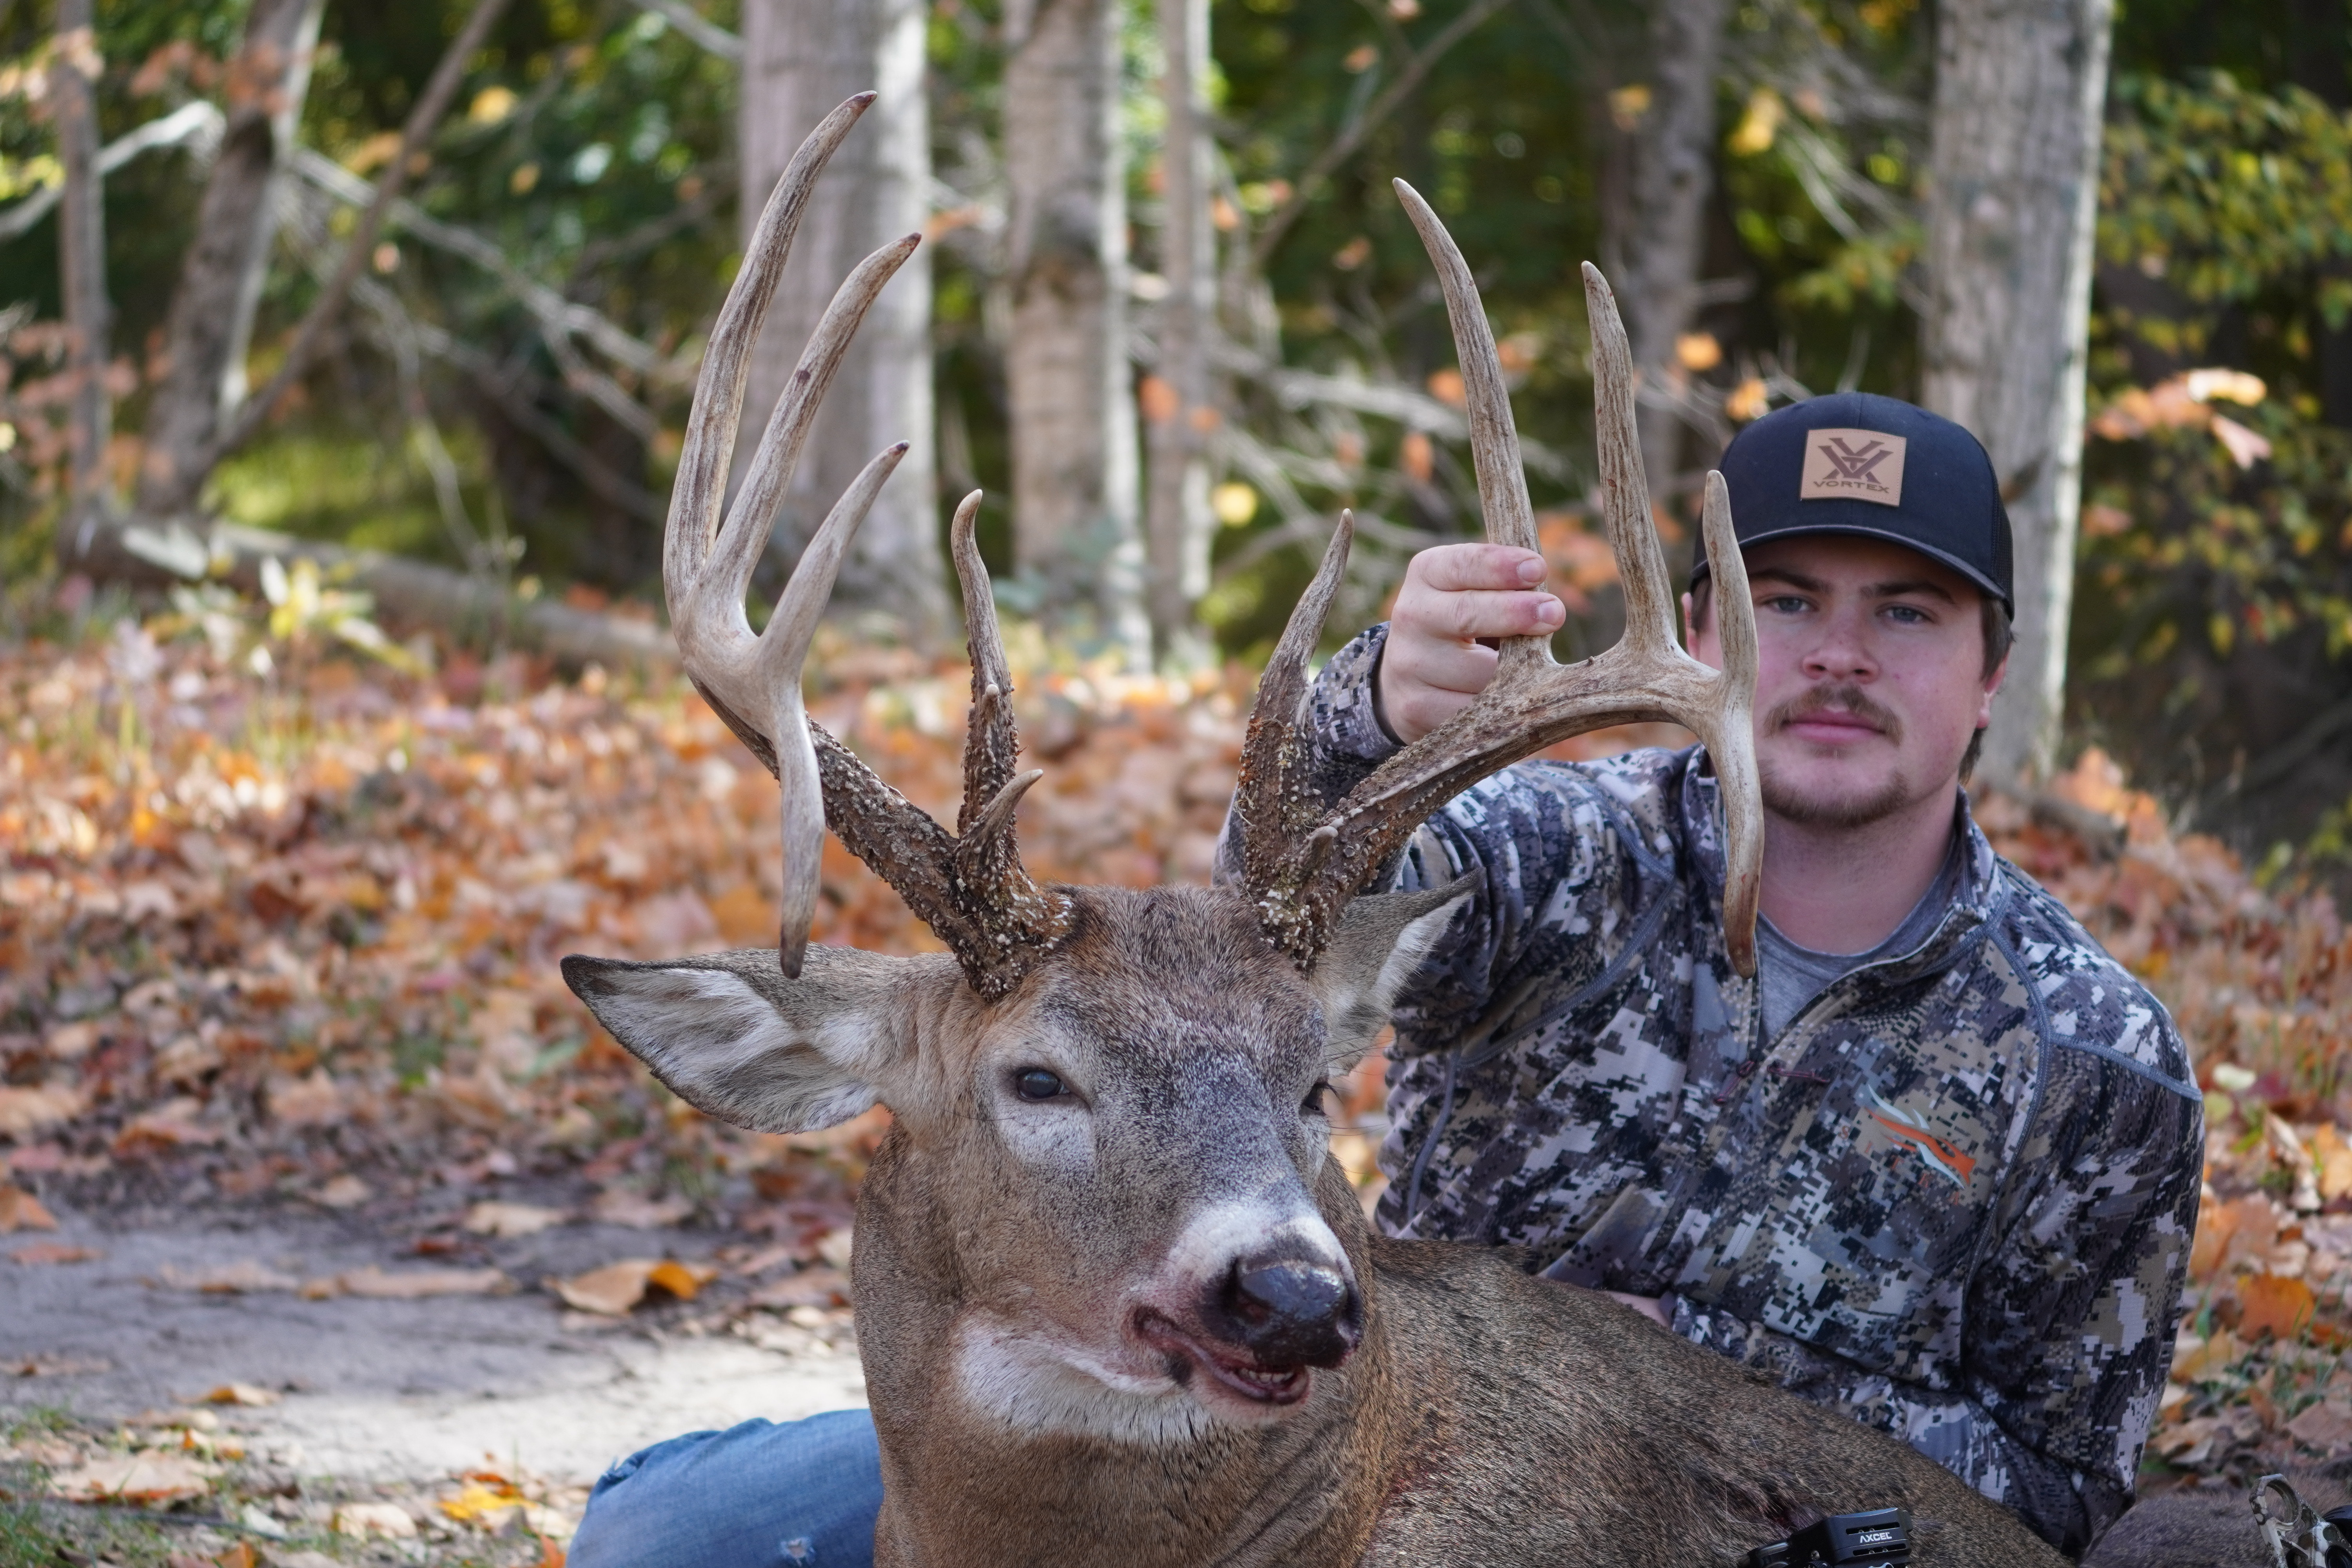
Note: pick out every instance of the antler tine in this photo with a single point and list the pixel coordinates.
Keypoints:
(1729, 731)
(1624, 491)
(1303, 879)
(709, 444)
(991, 745)
(1494, 436)
(718, 589)
(782, 649)
(1271, 806)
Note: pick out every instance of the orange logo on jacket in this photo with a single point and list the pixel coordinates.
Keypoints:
(1910, 1131)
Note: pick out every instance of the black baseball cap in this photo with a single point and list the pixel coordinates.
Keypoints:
(1857, 463)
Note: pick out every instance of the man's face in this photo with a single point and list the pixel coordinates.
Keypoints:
(1870, 681)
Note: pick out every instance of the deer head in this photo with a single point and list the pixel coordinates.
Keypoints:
(1111, 1102)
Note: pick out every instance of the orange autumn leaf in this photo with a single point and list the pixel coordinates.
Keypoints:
(2270, 1301)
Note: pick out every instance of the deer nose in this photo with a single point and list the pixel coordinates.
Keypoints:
(1289, 1313)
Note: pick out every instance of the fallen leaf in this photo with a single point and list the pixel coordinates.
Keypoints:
(364, 1518)
(2324, 1427)
(150, 1478)
(683, 1280)
(618, 1206)
(809, 1287)
(415, 1284)
(242, 1394)
(245, 1277)
(486, 1506)
(313, 1102)
(23, 1110)
(171, 1125)
(279, 1557)
(345, 1191)
(611, 1290)
(55, 1252)
(2200, 1359)
(508, 1221)
(2270, 1302)
(53, 1366)
(2232, 1234)
(20, 1210)
(2336, 1173)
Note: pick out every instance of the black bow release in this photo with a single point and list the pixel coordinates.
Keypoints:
(1879, 1538)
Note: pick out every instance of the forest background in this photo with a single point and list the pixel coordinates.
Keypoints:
(1169, 374)
(344, 354)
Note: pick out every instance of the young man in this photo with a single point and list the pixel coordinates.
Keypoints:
(1938, 1163)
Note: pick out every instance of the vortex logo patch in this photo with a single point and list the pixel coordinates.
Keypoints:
(1854, 465)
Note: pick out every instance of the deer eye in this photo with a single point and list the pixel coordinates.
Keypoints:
(1319, 1100)
(1034, 1084)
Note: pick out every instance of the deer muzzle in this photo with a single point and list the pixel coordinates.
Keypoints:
(1288, 1313)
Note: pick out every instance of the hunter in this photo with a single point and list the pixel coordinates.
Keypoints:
(1936, 1165)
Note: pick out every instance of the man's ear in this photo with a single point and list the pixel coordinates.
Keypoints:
(1382, 940)
(736, 1040)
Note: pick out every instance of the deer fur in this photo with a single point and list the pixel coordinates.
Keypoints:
(1008, 1256)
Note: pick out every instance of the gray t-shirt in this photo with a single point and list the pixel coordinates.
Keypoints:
(1793, 976)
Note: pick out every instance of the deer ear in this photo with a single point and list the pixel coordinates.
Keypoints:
(1382, 940)
(738, 1041)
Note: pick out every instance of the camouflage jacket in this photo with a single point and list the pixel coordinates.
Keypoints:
(1955, 1195)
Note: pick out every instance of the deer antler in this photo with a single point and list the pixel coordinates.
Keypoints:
(1302, 863)
(970, 889)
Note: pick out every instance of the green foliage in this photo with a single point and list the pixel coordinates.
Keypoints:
(2225, 192)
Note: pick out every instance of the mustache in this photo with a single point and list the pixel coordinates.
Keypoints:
(1834, 699)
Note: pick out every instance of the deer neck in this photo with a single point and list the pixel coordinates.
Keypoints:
(989, 1457)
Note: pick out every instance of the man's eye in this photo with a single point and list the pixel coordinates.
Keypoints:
(1785, 604)
(1035, 1083)
(1318, 1101)
(1908, 614)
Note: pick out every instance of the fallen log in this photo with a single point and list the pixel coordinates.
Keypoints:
(406, 593)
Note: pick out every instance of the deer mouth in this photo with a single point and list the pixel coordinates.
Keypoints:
(1232, 1369)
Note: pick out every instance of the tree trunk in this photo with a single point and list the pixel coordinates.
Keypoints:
(801, 58)
(2012, 199)
(211, 321)
(81, 262)
(1072, 394)
(1177, 405)
(1656, 219)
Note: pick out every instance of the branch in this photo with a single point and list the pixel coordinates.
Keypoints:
(709, 35)
(311, 333)
(1352, 137)
(193, 123)
(555, 313)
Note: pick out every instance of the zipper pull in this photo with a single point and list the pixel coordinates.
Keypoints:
(1736, 1082)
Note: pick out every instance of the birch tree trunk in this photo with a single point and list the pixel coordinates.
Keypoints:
(1072, 394)
(2012, 204)
(1177, 405)
(1657, 217)
(801, 58)
(211, 321)
(82, 263)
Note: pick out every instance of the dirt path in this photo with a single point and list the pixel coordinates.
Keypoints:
(387, 1397)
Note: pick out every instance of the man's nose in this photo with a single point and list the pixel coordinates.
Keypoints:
(1288, 1311)
(1841, 650)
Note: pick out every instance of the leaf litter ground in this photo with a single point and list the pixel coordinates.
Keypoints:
(295, 1101)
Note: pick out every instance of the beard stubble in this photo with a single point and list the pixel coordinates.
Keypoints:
(1786, 801)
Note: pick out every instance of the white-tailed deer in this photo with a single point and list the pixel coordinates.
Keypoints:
(1116, 1303)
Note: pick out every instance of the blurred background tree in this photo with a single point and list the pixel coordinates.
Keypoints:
(1175, 319)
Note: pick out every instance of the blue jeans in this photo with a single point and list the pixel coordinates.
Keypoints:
(755, 1496)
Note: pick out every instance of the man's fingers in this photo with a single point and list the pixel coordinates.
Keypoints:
(1461, 667)
(1452, 568)
(1471, 615)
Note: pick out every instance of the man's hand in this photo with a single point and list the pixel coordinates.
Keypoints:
(1650, 1307)
(1454, 597)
